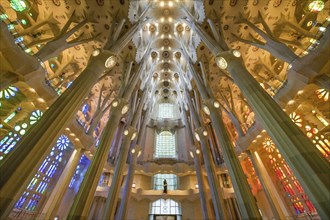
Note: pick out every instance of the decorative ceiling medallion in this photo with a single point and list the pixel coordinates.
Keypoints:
(166, 65)
(179, 28)
(100, 2)
(187, 28)
(176, 75)
(166, 54)
(166, 91)
(152, 28)
(166, 42)
(166, 12)
(178, 55)
(233, 3)
(166, 83)
(166, 28)
(56, 2)
(154, 54)
(165, 75)
(277, 3)
(155, 75)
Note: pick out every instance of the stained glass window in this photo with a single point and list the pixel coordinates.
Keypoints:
(18, 5)
(319, 139)
(35, 116)
(322, 94)
(10, 140)
(167, 206)
(9, 92)
(165, 145)
(79, 173)
(166, 110)
(290, 184)
(38, 186)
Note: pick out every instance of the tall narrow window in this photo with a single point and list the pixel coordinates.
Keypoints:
(171, 179)
(165, 145)
(46, 175)
(165, 110)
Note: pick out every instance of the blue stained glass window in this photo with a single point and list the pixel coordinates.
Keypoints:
(46, 174)
(85, 108)
(8, 92)
(79, 173)
(8, 142)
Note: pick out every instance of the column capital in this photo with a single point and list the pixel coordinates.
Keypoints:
(208, 104)
(223, 59)
(100, 55)
(136, 150)
(130, 132)
(120, 104)
(200, 132)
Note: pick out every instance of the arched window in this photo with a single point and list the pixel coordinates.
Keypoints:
(171, 179)
(166, 110)
(47, 173)
(165, 145)
(10, 140)
(165, 207)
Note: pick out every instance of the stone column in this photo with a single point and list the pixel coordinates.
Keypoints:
(201, 185)
(97, 212)
(266, 190)
(246, 201)
(84, 197)
(62, 185)
(115, 187)
(131, 169)
(198, 164)
(216, 194)
(128, 184)
(306, 162)
(200, 134)
(23, 161)
(130, 134)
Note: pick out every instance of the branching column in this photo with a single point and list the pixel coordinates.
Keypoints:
(246, 201)
(63, 185)
(198, 164)
(306, 162)
(216, 194)
(130, 133)
(84, 198)
(122, 212)
(26, 157)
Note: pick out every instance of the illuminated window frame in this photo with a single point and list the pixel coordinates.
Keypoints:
(166, 110)
(165, 145)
